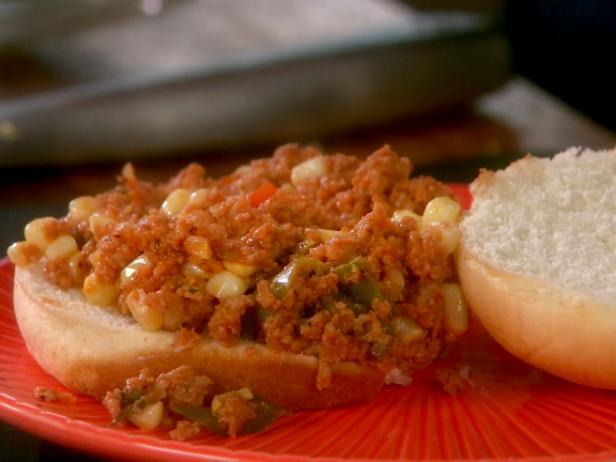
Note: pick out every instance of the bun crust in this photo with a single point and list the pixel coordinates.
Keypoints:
(569, 335)
(92, 350)
(535, 262)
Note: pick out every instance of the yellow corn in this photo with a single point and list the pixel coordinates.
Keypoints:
(455, 309)
(174, 315)
(441, 209)
(95, 257)
(148, 317)
(99, 292)
(199, 196)
(226, 284)
(148, 417)
(311, 168)
(81, 208)
(328, 234)
(133, 267)
(240, 269)
(401, 214)
(245, 393)
(407, 330)
(193, 270)
(394, 281)
(198, 246)
(175, 202)
(75, 268)
(449, 235)
(100, 224)
(128, 172)
(35, 232)
(63, 247)
(17, 254)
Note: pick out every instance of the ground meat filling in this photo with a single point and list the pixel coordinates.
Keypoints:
(185, 402)
(330, 256)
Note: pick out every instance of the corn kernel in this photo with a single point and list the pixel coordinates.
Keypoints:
(175, 202)
(95, 257)
(192, 270)
(226, 284)
(148, 317)
(174, 315)
(455, 309)
(100, 224)
(81, 208)
(328, 234)
(35, 232)
(449, 235)
(99, 292)
(75, 268)
(198, 246)
(240, 269)
(399, 215)
(441, 209)
(63, 247)
(128, 172)
(394, 282)
(130, 270)
(199, 196)
(407, 330)
(148, 417)
(315, 167)
(18, 255)
(245, 393)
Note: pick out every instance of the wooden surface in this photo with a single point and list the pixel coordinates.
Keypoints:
(518, 118)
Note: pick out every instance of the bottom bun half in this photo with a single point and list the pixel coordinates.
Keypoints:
(92, 350)
(570, 335)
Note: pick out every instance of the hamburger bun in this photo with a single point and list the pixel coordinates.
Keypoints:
(91, 350)
(537, 262)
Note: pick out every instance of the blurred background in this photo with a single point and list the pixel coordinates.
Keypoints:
(86, 85)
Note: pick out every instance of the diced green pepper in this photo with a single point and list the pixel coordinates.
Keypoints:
(266, 414)
(129, 396)
(299, 267)
(346, 270)
(363, 291)
(201, 415)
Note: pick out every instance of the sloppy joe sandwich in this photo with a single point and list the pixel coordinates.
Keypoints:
(300, 281)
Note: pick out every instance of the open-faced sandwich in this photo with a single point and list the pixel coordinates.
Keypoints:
(299, 281)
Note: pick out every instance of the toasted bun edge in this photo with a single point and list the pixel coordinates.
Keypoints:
(565, 333)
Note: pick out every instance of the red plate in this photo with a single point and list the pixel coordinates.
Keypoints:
(508, 410)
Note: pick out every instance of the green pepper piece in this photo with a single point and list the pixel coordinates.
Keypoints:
(201, 415)
(346, 270)
(301, 266)
(263, 314)
(364, 291)
(266, 414)
(129, 396)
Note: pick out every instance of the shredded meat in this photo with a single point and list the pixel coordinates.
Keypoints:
(185, 430)
(53, 395)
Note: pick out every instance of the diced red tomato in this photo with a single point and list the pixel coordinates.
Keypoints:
(462, 194)
(262, 193)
